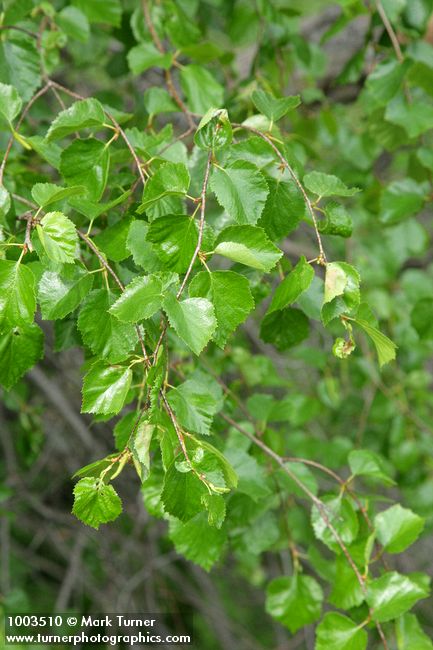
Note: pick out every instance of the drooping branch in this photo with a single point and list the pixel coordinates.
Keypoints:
(321, 507)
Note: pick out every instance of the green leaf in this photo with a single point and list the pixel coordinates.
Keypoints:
(293, 285)
(10, 102)
(175, 238)
(231, 297)
(47, 193)
(214, 131)
(340, 633)
(182, 492)
(285, 328)
(294, 601)
(101, 11)
(157, 101)
(251, 477)
(385, 348)
(74, 23)
(241, 190)
(283, 210)
(20, 349)
(65, 334)
(261, 535)
(400, 200)
(340, 513)
(58, 236)
(105, 388)
(201, 89)
(415, 118)
(342, 292)
(5, 204)
(346, 591)
(17, 295)
(112, 241)
(274, 108)
(141, 299)
(394, 594)
(123, 429)
(193, 320)
(195, 402)
(102, 332)
(143, 252)
(327, 185)
(95, 502)
(92, 210)
(217, 459)
(338, 277)
(385, 80)
(410, 635)
(421, 318)
(363, 462)
(145, 55)
(86, 162)
(49, 151)
(197, 541)
(140, 448)
(337, 221)
(170, 179)
(258, 152)
(248, 245)
(216, 507)
(397, 528)
(59, 293)
(20, 63)
(84, 114)
(394, 8)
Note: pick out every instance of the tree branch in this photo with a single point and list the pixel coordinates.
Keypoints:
(317, 502)
(391, 33)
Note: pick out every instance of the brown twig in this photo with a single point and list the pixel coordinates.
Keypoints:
(391, 33)
(200, 225)
(28, 246)
(101, 258)
(19, 29)
(25, 201)
(178, 430)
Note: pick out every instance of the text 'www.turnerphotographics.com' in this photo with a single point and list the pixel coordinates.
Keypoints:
(116, 630)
